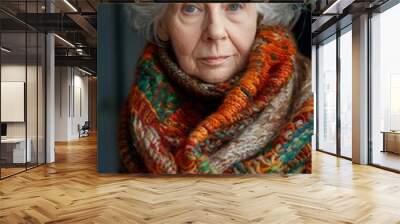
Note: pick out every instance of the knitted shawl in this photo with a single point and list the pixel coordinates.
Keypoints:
(259, 121)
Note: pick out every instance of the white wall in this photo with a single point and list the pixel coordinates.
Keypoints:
(61, 103)
(71, 94)
(16, 73)
(33, 127)
(80, 112)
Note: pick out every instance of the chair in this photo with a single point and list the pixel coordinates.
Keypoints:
(84, 130)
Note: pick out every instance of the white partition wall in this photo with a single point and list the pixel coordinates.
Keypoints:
(22, 78)
(14, 69)
(71, 102)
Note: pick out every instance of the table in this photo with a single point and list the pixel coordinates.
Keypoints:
(391, 141)
(15, 148)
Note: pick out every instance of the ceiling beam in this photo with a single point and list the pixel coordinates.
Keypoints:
(337, 7)
(49, 22)
(84, 61)
(86, 26)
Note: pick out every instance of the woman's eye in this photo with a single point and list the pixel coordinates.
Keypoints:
(234, 6)
(190, 9)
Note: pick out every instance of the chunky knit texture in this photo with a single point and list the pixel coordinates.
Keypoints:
(259, 121)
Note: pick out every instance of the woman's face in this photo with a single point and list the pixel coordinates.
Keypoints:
(211, 41)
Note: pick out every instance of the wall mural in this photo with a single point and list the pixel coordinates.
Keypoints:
(217, 88)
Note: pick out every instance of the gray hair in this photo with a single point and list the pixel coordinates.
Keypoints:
(148, 16)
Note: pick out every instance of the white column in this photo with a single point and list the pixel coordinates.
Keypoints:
(360, 90)
(50, 93)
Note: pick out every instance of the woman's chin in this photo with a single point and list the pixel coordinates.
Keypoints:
(214, 79)
(215, 76)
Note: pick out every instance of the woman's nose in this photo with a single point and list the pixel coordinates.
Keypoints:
(215, 26)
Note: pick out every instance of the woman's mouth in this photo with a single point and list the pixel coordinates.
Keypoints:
(214, 60)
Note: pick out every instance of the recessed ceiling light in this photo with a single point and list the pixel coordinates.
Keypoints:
(65, 41)
(70, 5)
(84, 71)
(338, 6)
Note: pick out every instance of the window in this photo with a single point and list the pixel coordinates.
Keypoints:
(385, 88)
(346, 75)
(327, 95)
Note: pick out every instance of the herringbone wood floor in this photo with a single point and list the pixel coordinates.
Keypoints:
(71, 191)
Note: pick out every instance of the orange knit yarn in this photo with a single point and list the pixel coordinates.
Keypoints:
(274, 49)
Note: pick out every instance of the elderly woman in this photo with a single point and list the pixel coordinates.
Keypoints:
(220, 88)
